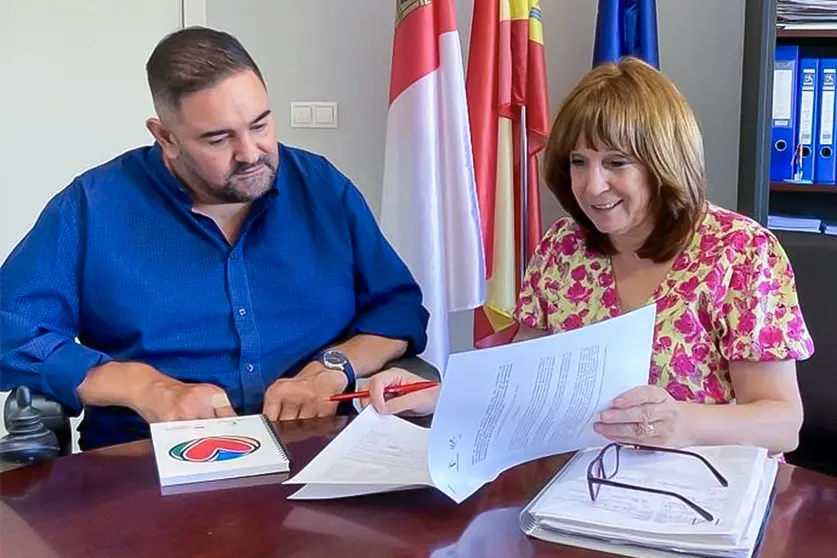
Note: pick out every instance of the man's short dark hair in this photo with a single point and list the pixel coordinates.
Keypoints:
(192, 59)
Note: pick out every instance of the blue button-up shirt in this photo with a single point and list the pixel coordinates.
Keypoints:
(118, 266)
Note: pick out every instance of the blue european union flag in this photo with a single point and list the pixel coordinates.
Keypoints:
(626, 28)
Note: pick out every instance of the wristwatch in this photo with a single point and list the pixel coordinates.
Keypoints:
(335, 359)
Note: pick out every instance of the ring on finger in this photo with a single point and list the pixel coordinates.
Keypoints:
(644, 429)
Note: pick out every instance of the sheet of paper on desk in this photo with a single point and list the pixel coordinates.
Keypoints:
(375, 453)
(497, 408)
(507, 405)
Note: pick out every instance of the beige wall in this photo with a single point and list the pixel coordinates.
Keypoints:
(322, 50)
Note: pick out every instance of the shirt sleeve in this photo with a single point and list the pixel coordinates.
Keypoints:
(39, 309)
(761, 318)
(388, 299)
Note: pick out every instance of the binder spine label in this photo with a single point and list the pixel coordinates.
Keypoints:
(827, 104)
(806, 120)
(782, 98)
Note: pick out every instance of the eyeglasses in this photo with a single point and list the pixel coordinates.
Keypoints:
(605, 465)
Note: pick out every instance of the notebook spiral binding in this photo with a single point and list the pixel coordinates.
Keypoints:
(283, 449)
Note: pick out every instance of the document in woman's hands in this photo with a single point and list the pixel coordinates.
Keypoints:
(497, 408)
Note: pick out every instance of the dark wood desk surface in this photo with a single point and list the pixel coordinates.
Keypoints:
(108, 503)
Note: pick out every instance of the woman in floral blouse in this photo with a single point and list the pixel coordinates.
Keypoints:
(625, 160)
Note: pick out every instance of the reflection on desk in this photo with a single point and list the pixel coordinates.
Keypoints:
(491, 534)
(361, 529)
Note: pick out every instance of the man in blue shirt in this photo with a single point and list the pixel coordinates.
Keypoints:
(215, 272)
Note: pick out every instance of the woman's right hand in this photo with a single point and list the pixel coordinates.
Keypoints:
(419, 403)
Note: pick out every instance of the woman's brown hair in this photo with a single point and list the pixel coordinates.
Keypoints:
(632, 108)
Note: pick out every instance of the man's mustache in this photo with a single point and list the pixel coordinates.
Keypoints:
(245, 168)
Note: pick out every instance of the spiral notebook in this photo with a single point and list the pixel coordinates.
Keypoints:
(213, 449)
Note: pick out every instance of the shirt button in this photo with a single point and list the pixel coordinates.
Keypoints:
(242, 311)
(249, 368)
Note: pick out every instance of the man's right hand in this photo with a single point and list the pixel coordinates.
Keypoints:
(153, 395)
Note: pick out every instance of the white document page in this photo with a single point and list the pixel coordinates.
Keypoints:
(507, 405)
(375, 453)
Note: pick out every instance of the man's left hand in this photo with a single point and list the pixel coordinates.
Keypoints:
(646, 415)
(306, 395)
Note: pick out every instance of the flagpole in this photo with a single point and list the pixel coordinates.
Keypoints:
(524, 194)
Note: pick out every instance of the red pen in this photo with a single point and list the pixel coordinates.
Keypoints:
(389, 390)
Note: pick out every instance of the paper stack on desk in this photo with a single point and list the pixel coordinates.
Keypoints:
(642, 524)
(497, 408)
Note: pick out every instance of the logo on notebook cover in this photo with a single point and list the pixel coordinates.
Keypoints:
(214, 448)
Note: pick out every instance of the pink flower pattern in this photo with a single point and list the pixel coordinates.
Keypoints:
(579, 273)
(729, 296)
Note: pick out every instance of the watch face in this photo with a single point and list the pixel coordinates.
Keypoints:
(334, 359)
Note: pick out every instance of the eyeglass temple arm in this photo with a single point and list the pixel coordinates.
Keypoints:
(703, 513)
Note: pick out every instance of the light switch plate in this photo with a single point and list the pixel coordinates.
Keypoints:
(325, 115)
(302, 115)
(314, 114)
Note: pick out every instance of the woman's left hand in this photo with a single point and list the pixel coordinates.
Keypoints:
(646, 415)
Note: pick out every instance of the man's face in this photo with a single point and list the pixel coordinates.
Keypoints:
(223, 141)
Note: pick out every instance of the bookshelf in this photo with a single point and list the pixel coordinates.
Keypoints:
(806, 33)
(806, 200)
(758, 196)
(803, 188)
(812, 255)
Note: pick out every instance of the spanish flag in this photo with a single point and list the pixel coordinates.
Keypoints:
(506, 71)
(429, 209)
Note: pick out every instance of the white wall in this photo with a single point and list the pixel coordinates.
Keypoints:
(73, 95)
(321, 50)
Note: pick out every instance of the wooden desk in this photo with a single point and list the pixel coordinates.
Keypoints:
(108, 503)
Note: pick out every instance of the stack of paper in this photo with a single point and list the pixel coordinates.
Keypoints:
(635, 523)
(804, 11)
(791, 223)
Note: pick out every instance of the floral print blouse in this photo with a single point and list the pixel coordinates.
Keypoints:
(730, 295)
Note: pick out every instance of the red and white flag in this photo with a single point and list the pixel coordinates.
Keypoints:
(429, 208)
